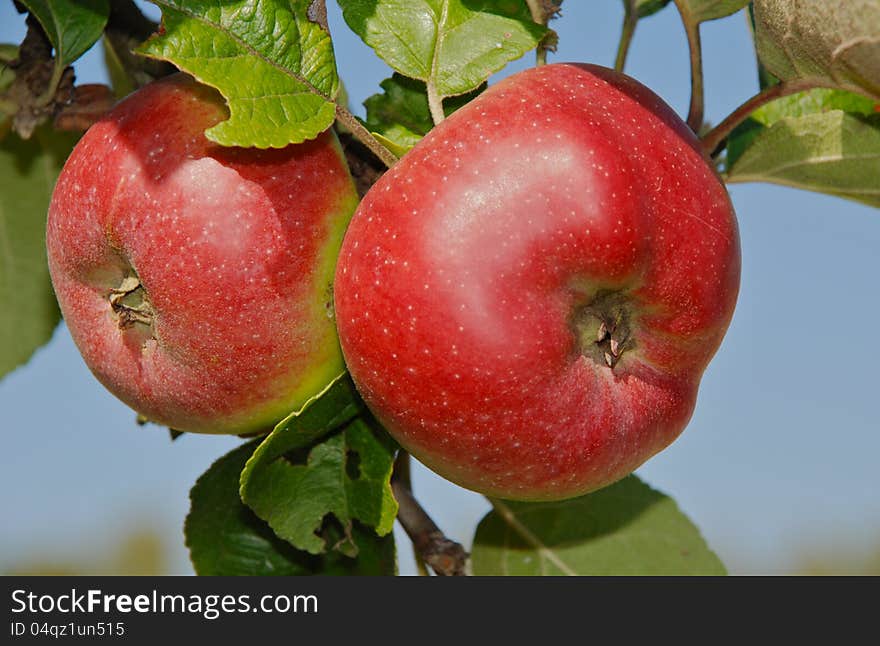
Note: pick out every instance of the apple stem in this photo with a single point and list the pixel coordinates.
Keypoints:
(445, 556)
(363, 135)
(630, 18)
(692, 30)
(715, 139)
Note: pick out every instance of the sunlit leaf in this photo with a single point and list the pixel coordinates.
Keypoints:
(274, 66)
(451, 45)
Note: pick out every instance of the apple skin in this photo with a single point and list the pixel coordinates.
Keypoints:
(485, 277)
(233, 249)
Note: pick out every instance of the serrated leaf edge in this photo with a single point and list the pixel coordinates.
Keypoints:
(211, 133)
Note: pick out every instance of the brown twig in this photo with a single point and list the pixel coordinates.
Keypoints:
(44, 91)
(38, 90)
(403, 473)
(90, 102)
(445, 556)
(317, 13)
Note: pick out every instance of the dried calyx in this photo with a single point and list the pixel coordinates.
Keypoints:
(130, 304)
(603, 328)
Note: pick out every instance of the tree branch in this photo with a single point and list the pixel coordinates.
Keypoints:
(445, 556)
(403, 473)
(40, 88)
(713, 140)
(692, 29)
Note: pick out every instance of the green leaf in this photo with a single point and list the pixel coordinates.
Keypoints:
(72, 26)
(28, 310)
(834, 152)
(402, 105)
(702, 10)
(303, 483)
(397, 139)
(226, 538)
(834, 43)
(336, 405)
(400, 114)
(274, 66)
(625, 529)
(796, 105)
(645, 8)
(451, 45)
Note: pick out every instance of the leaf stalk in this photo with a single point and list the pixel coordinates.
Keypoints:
(692, 30)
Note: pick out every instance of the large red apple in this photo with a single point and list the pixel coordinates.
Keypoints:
(196, 279)
(528, 300)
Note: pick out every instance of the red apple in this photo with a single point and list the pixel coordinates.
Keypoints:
(528, 299)
(195, 279)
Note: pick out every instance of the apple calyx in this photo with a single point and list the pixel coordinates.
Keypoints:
(603, 327)
(130, 304)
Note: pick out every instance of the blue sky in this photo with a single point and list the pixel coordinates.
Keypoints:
(779, 459)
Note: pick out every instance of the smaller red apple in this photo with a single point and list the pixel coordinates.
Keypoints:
(195, 279)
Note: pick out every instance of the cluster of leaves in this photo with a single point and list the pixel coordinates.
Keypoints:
(312, 496)
(822, 59)
(825, 138)
(315, 496)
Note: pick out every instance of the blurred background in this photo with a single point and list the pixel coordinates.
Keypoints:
(778, 466)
